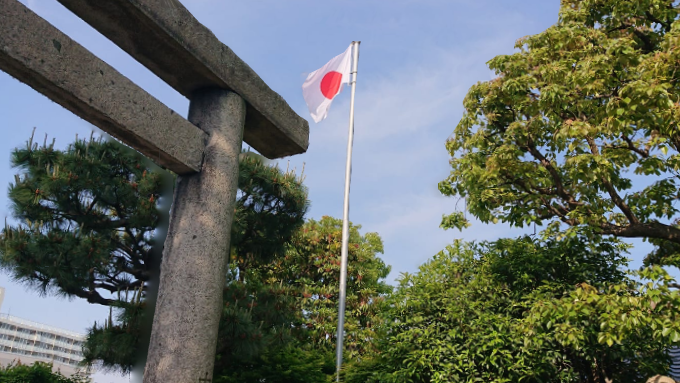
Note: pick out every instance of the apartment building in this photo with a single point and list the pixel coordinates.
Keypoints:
(29, 342)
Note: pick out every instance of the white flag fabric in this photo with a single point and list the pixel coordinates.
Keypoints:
(322, 85)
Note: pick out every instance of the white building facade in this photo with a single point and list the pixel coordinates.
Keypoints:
(28, 342)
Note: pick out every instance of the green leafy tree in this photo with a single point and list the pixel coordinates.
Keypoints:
(312, 265)
(290, 306)
(38, 372)
(580, 128)
(291, 363)
(525, 311)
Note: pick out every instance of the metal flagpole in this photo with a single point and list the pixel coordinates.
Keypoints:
(345, 216)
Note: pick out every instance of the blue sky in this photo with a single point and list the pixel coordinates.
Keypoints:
(417, 60)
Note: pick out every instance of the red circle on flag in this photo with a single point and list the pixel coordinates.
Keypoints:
(330, 84)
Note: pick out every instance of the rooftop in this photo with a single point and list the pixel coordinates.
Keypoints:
(39, 326)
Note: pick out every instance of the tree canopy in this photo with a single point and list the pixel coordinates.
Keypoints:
(312, 264)
(524, 310)
(289, 305)
(580, 128)
(85, 220)
(88, 214)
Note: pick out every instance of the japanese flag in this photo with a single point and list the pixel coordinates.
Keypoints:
(322, 85)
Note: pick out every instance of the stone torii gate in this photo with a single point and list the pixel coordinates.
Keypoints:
(229, 104)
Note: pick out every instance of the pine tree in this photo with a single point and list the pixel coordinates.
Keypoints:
(90, 227)
(86, 220)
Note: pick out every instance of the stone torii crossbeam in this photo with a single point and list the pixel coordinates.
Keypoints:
(229, 104)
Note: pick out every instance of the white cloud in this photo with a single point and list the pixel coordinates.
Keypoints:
(408, 223)
(411, 98)
(405, 212)
(403, 116)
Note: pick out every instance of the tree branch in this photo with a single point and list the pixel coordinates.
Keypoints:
(89, 209)
(653, 19)
(643, 230)
(647, 45)
(559, 186)
(91, 296)
(644, 153)
(620, 203)
(646, 41)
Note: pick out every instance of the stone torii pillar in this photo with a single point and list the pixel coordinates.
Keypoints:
(228, 103)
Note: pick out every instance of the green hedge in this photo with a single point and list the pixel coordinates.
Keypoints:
(38, 372)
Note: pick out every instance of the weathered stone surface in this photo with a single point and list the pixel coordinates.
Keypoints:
(167, 39)
(194, 267)
(38, 54)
